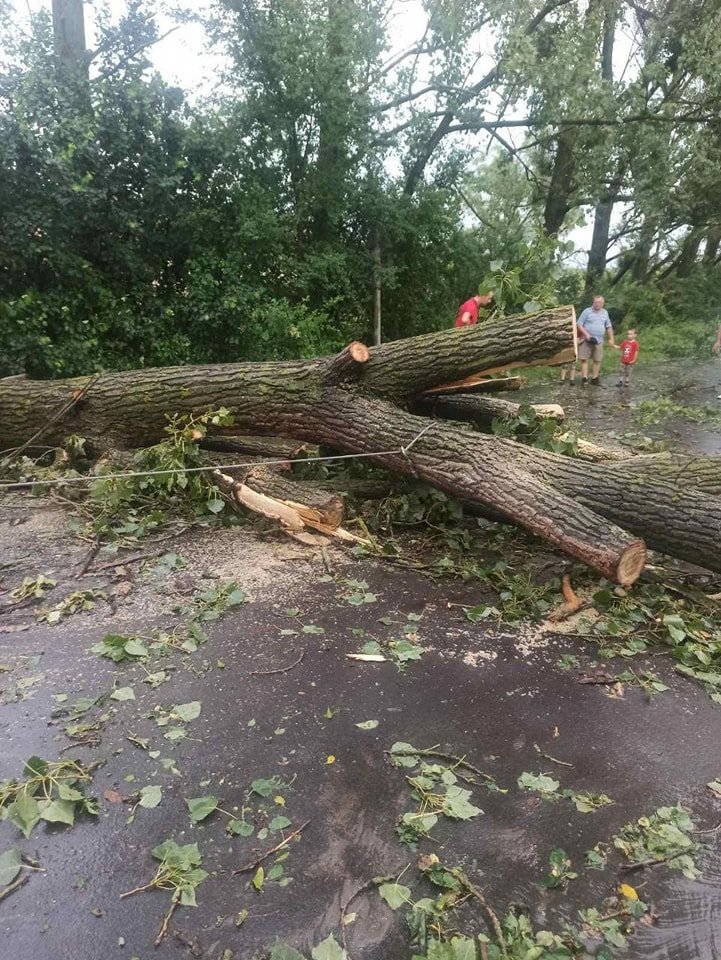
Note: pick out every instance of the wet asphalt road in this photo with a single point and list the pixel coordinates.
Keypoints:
(488, 696)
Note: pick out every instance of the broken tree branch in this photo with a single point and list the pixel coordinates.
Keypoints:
(269, 853)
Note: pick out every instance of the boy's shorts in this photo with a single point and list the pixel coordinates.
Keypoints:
(590, 351)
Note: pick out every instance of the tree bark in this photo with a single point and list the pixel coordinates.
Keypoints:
(686, 260)
(478, 409)
(562, 182)
(703, 474)
(272, 448)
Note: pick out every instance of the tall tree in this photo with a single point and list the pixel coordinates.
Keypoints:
(69, 33)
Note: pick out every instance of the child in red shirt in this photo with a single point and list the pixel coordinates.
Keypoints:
(629, 352)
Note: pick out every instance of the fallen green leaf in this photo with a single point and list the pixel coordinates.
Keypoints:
(201, 807)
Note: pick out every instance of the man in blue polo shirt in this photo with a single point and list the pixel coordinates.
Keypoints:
(595, 322)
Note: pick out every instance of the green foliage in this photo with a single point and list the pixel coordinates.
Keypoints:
(540, 783)
(50, 791)
(76, 602)
(131, 507)
(588, 802)
(121, 649)
(201, 807)
(664, 837)
(10, 866)
(180, 871)
(212, 603)
(687, 623)
(662, 409)
(33, 587)
(436, 791)
(676, 319)
(401, 650)
(140, 228)
(541, 432)
(560, 870)
(527, 285)
(436, 934)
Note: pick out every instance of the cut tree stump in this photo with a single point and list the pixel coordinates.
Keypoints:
(356, 403)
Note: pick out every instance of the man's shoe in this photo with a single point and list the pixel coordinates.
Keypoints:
(584, 381)
(595, 382)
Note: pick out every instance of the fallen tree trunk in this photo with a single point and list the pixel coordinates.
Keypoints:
(702, 474)
(478, 409)
(272, 448)
(354, 403)
(129, 408)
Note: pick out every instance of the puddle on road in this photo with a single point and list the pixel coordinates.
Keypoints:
(689, 925)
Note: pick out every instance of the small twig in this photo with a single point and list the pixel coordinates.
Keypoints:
(653, 862)
(93, 741)
(267, 673)
(146, 886)
(710, 829)
(368, 885)
(547, 756)
(491, 915)
(256, 863)
(599, 679)
(164, 926)
(431, 752)
(15, 885)
(91, 555)
(121, 561)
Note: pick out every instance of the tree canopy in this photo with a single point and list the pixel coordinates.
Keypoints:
(140, 226)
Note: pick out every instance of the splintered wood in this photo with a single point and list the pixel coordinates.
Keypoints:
(294, 518)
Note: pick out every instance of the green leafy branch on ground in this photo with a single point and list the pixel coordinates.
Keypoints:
(33, 587)
(436, 935)
(665, 836)
(661, 409)
(180, 872)
(435, 789)
(209, 605)
(683, 619)
(50, 791)
(123, 510)
(77, 602)
(548, 788)
(401, 650)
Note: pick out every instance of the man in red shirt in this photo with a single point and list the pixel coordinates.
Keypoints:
(629, 352)
(467, 315)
